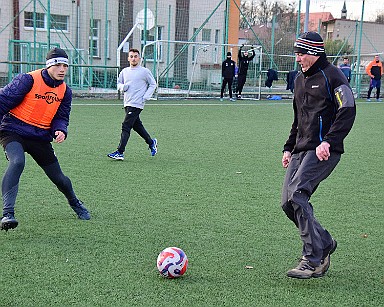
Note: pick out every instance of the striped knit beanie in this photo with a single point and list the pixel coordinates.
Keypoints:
(309, 43)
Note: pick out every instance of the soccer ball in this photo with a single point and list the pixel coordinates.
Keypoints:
(172, 262)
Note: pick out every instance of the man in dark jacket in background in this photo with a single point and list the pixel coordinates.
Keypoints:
(227, 72)
(34, 110)
(324, 112)
(346, 69)
(244, 60)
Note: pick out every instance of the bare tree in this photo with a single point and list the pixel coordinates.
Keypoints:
(380, 17)
(262, 11)
(248, 14)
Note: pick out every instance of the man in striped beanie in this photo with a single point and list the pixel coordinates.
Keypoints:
(324, 112)
(309, 43)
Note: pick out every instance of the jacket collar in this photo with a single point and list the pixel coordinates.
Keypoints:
(320, 64)
(49, 81)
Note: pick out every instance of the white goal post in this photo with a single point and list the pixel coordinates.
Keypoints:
(185, 69)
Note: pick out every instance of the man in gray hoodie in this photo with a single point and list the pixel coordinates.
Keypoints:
(138, 85)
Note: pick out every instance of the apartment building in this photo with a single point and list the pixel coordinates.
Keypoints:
(91, 31)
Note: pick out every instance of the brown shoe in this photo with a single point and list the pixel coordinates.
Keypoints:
(306, 269)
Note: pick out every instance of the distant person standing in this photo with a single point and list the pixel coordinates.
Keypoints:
(34, 111)
(374, 71)
(244, 61)
(138, 85)
(346, 68)
(228, 73)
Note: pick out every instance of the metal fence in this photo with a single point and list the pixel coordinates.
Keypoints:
(91, 32)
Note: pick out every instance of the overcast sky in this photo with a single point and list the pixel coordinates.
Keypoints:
(354, 7)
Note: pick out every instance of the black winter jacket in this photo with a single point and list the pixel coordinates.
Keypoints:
(244, 61)
(324, 108)
(228, 68)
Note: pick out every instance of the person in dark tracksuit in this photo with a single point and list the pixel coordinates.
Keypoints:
(244, 61)
(34, 110)
(324, 113)
(228, 73)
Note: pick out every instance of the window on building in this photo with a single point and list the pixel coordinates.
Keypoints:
(206, 35)
(151, 37)
(217, 36)
(108, 38)
(216, 49)
(39, 20)
(194, 46)
(94, 38)
(59, 22)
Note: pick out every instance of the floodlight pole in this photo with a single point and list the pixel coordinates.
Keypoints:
(306, 21)
(358, 81)
(145, 27)
(297, 29)
(272, 41)
(49, 24)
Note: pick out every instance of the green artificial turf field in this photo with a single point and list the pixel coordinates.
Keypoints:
(214, 191)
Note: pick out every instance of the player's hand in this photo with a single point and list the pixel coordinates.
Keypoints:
(322, 151)
(59, 136)
(126, 86)
(286, 159)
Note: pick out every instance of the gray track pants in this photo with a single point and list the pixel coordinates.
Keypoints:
(304, 174)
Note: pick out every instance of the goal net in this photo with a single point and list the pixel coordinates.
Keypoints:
(187, 69)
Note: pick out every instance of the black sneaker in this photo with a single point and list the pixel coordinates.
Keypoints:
(8, 222)
(81, 211)
(306, 269)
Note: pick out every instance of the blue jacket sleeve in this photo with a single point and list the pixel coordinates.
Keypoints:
(61, 118)
(13, 94)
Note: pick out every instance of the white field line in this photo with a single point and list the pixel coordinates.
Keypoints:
(208, 104)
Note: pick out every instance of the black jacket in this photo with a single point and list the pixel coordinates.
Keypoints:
(244, 61)
(324, 108)
(271, 76)
(228, 68)
(291, 76)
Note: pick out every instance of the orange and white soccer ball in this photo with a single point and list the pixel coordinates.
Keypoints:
(172, 262)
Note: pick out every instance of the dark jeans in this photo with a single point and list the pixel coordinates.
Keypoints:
(132, 121)
(304, 174)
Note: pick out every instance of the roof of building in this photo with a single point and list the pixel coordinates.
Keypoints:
(315, 19)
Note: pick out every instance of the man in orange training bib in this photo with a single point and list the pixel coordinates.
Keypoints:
(34, 111)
